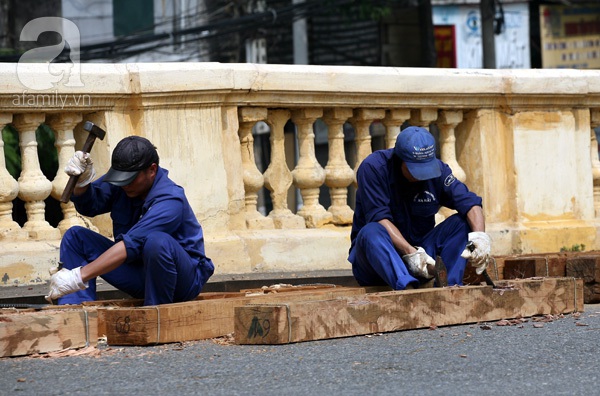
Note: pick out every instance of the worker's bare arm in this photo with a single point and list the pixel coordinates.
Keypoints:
(400, 243)
(106, 262)
(476, 219)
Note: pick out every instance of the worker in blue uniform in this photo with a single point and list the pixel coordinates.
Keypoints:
(394, 235)
(158, 248)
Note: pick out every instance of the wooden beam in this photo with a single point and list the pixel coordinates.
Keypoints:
(53, 327)
(587, 268)
(522, 267)
(402, 310)
(25, 333)
(194, 320)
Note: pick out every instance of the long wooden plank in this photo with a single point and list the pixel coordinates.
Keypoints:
(25, 333)
(403, 310)
(193, 320)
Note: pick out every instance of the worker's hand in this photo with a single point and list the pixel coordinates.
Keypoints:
(417, 263)
(478, 250)
(65, 282)
(81, 165)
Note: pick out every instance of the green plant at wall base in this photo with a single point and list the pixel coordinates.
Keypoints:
(574, 248)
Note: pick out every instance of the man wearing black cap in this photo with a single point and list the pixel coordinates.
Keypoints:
(158, 248)
(394, 236)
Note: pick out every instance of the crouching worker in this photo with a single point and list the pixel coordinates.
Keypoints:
(394, 235)
(158, 248)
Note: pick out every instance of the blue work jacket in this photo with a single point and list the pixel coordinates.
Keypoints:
(165, 209)
(384, 193)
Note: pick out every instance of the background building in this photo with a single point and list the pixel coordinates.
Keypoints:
(458, 35)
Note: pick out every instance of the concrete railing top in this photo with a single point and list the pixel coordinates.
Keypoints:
(290, 83)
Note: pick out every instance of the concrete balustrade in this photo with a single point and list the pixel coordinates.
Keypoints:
(519, 138)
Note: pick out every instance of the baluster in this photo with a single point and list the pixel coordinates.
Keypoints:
(34, 187)
(361, 121)
(9, 189)
(393, 120)
(338, 174)
(253, 179)
(423, 117)
(278, 177)
(595, 122)
(63, 125)
(308, 174)
(447, 122)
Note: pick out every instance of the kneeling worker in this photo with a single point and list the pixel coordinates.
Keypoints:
(158, 248)
(394, 235)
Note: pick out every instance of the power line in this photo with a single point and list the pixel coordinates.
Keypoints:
(249, 24)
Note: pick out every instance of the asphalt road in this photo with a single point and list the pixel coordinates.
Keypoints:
(556, 356)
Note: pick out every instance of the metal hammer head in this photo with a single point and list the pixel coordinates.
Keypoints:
(94, 129)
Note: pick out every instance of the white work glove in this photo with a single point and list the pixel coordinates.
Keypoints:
(81, 165)
(65, 282)
(478, 250)
(417, 263)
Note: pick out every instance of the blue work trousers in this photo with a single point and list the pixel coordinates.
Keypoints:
(375, 260)
(165, 274)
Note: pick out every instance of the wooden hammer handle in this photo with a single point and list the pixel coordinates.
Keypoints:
(87, 147)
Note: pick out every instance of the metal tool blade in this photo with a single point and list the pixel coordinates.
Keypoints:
(442, 272)
(24, 306)
(439, 272)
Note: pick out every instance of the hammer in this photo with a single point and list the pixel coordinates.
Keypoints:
(94, 132)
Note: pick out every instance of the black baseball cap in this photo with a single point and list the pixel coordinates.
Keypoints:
(131, 155)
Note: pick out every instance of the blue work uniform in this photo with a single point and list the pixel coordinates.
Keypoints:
(165, 244)
(384, 193)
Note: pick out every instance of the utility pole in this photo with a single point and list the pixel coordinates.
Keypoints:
(256, 47)
(5, 25)
(488, 11)
(428, 51)
(300, 39)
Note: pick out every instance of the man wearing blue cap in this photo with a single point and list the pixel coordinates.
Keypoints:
(394, 236)
(158, 248)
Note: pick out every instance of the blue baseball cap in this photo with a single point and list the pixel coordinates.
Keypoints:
(416, 147)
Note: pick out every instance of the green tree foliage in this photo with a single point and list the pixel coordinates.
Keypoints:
(367, 9)
(12, 155)
(47, 153)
